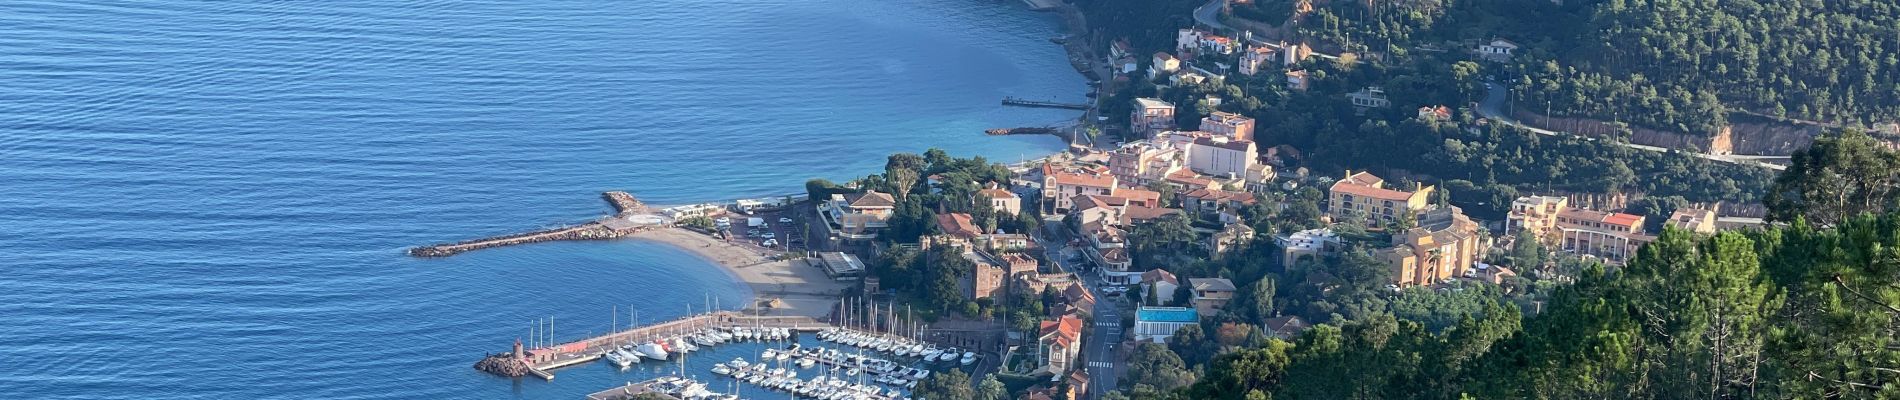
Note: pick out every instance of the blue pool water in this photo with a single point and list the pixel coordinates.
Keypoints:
(208, 199)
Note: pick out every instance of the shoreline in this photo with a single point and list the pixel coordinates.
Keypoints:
(779, 288)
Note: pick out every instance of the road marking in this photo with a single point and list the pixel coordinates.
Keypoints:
(1101, 364)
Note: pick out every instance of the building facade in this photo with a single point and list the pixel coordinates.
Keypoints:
(1151, 116)
(1231, 125)
(1219, 156)
(1366, 194)
(1434, 252)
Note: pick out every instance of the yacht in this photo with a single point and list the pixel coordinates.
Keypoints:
(722, 369)
(806, 362)
(969, 358)
(653, 350)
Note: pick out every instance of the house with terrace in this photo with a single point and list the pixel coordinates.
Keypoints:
(857, 216)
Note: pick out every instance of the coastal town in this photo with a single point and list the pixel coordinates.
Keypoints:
(1180, 231)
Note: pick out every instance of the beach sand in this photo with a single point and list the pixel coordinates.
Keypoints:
(801, 289)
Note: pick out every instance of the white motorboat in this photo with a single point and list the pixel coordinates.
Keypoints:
(722, 369)
(969, 358)
(653, 350)
(631, 356)
(852, 372)
(617, 359)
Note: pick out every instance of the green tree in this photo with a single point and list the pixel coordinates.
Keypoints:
(1527, 251)
(1154, 365)
(951, 385)
(1836, 178)
(1163, 241)
(991, 389)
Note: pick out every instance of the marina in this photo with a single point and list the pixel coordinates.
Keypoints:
(798, 357)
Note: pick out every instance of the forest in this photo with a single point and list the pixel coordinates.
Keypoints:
(1678, 65)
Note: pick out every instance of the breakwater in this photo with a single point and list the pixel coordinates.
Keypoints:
(630, 216)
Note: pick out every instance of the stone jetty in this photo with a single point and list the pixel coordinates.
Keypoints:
(630, 216)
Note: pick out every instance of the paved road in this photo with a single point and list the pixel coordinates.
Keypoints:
(1492, 107)
(1098, 350)
(1209, 15)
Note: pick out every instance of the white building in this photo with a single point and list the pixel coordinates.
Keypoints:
(1221, 157)
(1497, 50)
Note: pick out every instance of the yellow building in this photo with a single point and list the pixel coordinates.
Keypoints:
(1366, 194)
(1443, 247)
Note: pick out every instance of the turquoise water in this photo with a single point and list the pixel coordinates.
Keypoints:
(208, 199)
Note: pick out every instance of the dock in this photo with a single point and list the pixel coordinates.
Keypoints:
(542, 361)
(630, 217)
(628, 391)
(1012, 101)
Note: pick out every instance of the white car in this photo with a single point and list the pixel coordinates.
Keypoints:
(769, 235)
(784, 220)
(769, 243)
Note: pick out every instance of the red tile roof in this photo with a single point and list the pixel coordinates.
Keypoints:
(1099, 179)
(1066, 330)
(1368, 185)
(1623, 219)
(1137, 214)
(958, 224)
(1142, 196)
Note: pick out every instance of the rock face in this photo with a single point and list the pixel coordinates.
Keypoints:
(1744, 134)
(502, 364)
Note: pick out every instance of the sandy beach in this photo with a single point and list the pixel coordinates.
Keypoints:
(800, 288)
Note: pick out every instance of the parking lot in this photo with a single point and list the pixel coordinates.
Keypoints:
(777, 230)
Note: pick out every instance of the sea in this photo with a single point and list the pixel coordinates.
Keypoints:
(210, 199)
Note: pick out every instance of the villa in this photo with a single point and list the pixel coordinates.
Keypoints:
(857, 216)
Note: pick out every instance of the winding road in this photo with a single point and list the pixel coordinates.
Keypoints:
(1492, 107)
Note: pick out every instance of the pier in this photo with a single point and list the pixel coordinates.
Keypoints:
(1012, 101)
(630, 216)
(542, 361)
(628, 391)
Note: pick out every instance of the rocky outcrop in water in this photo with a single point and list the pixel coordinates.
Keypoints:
(502, 364)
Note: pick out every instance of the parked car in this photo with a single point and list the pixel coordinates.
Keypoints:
(784, 220)
(769, 235)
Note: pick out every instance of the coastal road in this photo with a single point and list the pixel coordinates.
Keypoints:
(1496, 96)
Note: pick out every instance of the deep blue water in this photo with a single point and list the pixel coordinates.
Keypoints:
(208, 199)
